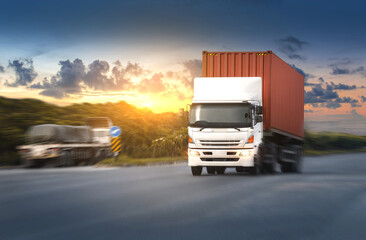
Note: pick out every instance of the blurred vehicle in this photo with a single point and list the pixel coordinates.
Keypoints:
(247, 113)
(64, 145)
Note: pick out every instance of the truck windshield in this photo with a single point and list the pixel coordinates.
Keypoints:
(220, 115)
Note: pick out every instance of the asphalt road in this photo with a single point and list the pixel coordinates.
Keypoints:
(327, 201)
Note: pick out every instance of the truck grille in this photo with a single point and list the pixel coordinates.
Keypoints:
(220, 159)
(220, 143)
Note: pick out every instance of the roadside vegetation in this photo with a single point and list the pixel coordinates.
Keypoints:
(318, 143)
(147, 137)
(124, 160)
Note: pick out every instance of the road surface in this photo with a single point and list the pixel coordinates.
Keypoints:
(327, 201)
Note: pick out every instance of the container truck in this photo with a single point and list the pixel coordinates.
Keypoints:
(247, 113)
(64, 145)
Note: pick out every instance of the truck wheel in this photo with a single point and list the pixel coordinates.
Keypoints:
(286, 167)
(220, 170)
(66, 160)
(255, 170)
(210, 170)
(269, 167)
(196, 171)
(297, 167)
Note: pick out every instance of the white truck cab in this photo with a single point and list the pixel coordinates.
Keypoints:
(225, 124)
(100, 127)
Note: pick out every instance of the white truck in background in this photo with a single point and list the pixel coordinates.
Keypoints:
(63, 145)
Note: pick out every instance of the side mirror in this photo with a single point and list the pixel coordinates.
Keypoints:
(258, 119)
(259, 110)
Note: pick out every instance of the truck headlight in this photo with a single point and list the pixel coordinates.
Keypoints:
(246, 153)
(194, 153)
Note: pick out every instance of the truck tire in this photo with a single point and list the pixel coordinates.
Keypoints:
(220, 170)
(196, 171)
(286, 167)
(269, 158)
(297, 167)
(210, 170)
(256, 170)
(66, 160)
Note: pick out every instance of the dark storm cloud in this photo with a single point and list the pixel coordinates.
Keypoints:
(308, 111)
(363, 99)
(2, 69)
(327, 97)
(24, 72)
(291, 47)
(306, 75)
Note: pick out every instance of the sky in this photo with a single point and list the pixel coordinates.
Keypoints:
(148, 52)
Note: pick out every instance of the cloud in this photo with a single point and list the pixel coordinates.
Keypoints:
(339, 71)
(356, 115)
(291, 46)
(341, 67)
(308, 111)
(342, 86)
(192, 69)
(153, 84)
(73, 77)
(122, 75)
(54, 92)
(2, 69)
(96, 78)
(306, 75)
(327, 97)
(351, 101)
(363, 99)
(67, 80)
(24, 72)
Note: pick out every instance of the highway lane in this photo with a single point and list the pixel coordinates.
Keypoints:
(327, 201)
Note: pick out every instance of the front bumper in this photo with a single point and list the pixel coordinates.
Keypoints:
(222, 157)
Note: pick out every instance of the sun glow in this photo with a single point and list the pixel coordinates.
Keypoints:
(148, 104)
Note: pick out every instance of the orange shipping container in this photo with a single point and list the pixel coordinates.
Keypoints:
(283, 86)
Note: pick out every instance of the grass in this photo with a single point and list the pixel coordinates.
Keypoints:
(125, 161)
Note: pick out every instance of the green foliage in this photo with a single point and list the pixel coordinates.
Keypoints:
(173, 144)
(324, 141)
